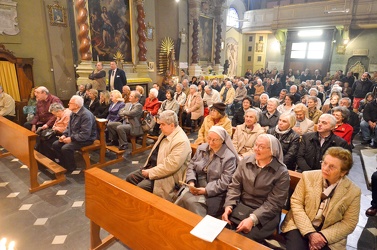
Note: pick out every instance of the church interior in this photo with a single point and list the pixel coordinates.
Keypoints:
(57, 43)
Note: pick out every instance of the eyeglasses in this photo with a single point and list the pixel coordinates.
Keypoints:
(260, 147)
(209, 139)
(329, 166)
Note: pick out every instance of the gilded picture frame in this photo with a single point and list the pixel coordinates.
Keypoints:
(149, 32)
(206, 38)
(111, 29)
(57, 15)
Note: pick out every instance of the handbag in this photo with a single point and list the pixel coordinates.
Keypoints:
(47, 134)
(148, 122)
(240, 212)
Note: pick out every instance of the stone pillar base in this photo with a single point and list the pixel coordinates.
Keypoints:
(84, 69)
(218, 69)
(194, 70)
(142, 69)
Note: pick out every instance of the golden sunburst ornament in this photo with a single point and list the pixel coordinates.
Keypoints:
(167, 45)
(119, 58)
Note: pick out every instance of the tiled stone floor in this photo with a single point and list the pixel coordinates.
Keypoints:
(54, 218)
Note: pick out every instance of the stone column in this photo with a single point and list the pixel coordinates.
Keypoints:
(194, 10)
(218, 68)
(141, 67)
(85, 66)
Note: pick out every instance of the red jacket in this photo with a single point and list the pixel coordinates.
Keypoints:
(344, 131)
(152, 106)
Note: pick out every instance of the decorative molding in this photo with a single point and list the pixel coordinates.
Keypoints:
(360, 52)
(8, 18)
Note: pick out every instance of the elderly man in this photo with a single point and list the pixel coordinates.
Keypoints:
(130, 114)
(215, 85)
(161, 93)
(313, 145)
(211, 96)
(167, 162)
(98, 77)
(303, 124)
(293, 91)
(185, 87)
(81, 132)
(117, 77)
(179, 95)
(126, 91)
(43, 118)
(7, 105)
(227, 94)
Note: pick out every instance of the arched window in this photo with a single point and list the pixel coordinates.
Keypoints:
(232, 18)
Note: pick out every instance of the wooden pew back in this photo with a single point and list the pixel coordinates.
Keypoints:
(20, 142)
(142, 220)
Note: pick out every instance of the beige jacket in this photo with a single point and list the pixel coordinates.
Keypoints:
(229, 95)
(196, 106)
(173, 157)
(306, 126)
(208, 123)
(343, 211)
(243, 141)
(7, 105)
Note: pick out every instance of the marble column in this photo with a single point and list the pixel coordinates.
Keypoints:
(218, 68)
(85, 66)
(194, 10)
(141, 67)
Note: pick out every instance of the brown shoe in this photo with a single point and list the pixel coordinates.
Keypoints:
(372, 211)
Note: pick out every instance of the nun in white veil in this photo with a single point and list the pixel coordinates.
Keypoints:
(209, 174)
(258, 191)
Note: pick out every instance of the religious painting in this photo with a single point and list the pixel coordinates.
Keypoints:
(206, 34)
(110, 29)
(57, 15)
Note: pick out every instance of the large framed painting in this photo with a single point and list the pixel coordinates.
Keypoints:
(206, 34)
(110, 29)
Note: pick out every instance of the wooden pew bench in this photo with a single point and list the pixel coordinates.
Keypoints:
(142, 220)
(101, 146)
(20, 142)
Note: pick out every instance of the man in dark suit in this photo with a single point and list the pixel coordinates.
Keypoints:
(131, 114)
(117, 77)
(81, 132)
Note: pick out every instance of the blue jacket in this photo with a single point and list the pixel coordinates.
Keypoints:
(82, 126)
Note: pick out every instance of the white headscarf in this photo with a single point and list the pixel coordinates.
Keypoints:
(226, 138)
(275, 146)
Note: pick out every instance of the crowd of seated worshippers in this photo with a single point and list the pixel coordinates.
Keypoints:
(233, 147)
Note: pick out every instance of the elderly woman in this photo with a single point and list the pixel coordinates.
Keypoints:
(216, 117)
(102, 110)
(258, 190)
(262, 103)
(62, 119)
(194, 107)
(151, 103)
(117, 103)
(92, 102)
(324, 206)
(140, 89)
(288, 104)
(313, 112)
(289, 139)
(238, 117)
(245, 134)
(270, 117)
(342, 128)
(209, 173)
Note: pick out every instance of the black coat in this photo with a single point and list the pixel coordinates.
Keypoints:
(238, 118)
(120, 79)
(290, 143)
(310, 152)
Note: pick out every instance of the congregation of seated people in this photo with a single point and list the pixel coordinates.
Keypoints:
(251, 131)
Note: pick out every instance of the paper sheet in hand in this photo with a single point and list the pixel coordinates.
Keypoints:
(208, 228)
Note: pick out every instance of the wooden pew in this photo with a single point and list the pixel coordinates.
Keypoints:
(101, 146)
(142, 220)
(20, 142)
